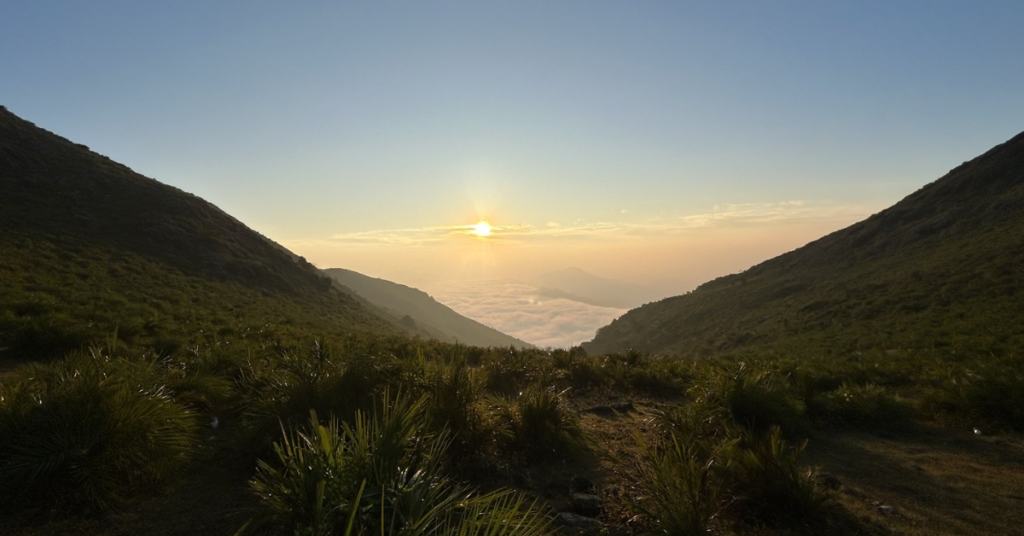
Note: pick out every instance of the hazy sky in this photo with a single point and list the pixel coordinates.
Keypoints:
(656, 142)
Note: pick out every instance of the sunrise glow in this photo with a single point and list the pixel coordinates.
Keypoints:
(482, 229)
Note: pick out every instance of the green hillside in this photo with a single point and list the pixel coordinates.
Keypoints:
(88, 246)
(941, 269)
(417, 309)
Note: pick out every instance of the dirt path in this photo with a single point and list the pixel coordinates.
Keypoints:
(936, 481)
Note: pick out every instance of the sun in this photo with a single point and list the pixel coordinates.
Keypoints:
(481, 229)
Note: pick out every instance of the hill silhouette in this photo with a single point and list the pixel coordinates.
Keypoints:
(943, 268)
(88, 246)
(416, 309)
(579, 285)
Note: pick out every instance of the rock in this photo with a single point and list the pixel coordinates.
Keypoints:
(570, 519)
(580, 484)
(605, 411)
(586, 504)
(828, 481)
(885, 509)
(608, 411)
(624, 407)
(854, 492)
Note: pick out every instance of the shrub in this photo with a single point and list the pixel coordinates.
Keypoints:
(866, 406)
(454, 393)
(538, 422)
(378, 476)
(202, 379)
(580, 371)
(286, 386)
(85, 431)
(679, 490)
(767, 484)
(990, 394)
(509, 370)
(756, 397)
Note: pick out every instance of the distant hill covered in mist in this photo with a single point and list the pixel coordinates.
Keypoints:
(415, 309)
(579, 285)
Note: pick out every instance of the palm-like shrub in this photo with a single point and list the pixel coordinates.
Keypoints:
(756, 397)
(767, 484)
(379, 475)
(85, 431)
(538, 422)
(201, 378)
(510, 370)
(987, 394)
(454, 393)
(708, 464)
(286, 386)
(867, 406)
(678, 485)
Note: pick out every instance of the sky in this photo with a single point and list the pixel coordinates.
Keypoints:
(658, 143)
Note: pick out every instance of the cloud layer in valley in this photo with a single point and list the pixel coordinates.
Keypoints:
(518, 310)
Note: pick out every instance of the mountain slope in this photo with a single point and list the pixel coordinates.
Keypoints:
(944, 267)
(423, 312)
(89, 246)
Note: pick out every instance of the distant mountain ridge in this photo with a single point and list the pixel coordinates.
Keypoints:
(579, 285)
(944, 267)
(417, 310)
(89, 246)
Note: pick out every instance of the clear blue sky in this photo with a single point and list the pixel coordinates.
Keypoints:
(310, 120)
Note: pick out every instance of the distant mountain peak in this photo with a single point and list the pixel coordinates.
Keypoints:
(580, 285)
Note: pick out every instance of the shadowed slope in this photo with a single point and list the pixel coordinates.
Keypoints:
(943, 267)
(89, 245)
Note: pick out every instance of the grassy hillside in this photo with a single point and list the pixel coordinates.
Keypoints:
(89, 246)
(942, 269)
(423, 312)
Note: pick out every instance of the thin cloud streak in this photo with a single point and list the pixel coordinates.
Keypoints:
(721, 216)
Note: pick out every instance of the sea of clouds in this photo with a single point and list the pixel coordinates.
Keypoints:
(517, 309)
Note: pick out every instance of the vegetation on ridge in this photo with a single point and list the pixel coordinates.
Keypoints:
(942, 269)
(90, 246)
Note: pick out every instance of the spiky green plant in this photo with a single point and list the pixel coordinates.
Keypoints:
(454, 395)
(766, 482)
(757, 397)
(866, 406)
(538, 422)
(84, 431)
(678, 489)
(988, 393)
(379, 475)
(285, 386)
